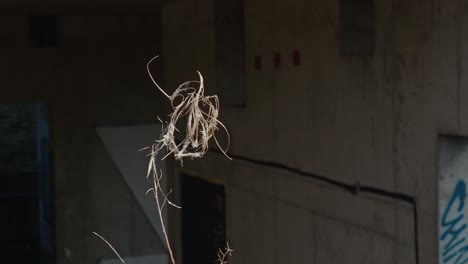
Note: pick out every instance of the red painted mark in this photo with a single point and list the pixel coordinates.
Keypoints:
(258, 63)
(277, 60)
(296, 57)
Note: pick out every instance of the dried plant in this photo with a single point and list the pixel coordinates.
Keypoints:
(201, 115)
(109, 244)
(223, 255)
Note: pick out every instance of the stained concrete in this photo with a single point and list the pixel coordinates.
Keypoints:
(375, 120)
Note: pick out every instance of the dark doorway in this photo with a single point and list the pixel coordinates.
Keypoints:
(26, 211)
(203, 220)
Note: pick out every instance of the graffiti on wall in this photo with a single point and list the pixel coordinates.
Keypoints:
(452, 194)
(453, 224)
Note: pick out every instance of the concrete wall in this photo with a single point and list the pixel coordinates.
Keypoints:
(373, 120)
(96, 77)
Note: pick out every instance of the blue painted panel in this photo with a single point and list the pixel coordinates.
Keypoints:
(45, 192)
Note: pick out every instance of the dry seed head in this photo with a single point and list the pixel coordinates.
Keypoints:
(189, 103)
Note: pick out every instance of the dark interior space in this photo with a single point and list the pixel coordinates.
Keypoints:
(24, 193)
(204, 219)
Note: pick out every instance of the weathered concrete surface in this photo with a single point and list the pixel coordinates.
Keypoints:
(375, 120)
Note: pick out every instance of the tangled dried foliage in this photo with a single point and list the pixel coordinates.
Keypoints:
(201, 113)
(223, 255)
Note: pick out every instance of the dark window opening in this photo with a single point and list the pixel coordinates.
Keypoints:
(43, 31)
(357, 27)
